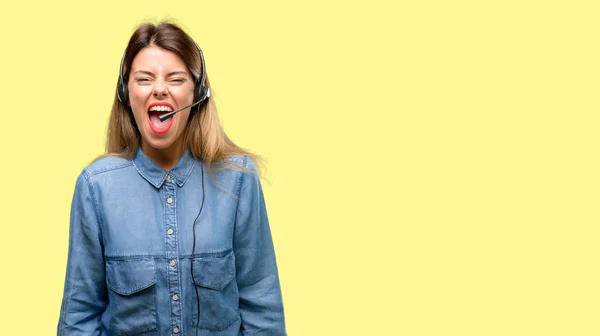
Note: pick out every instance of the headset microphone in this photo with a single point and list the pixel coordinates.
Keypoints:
(166, 116)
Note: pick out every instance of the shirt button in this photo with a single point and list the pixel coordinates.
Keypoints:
(169, 200)
(172, 263)
(170, 231)
(175, 297)
(168, 177)
(176, 330)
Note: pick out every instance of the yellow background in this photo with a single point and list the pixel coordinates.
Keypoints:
(433, 165)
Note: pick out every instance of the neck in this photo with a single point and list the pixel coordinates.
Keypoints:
(165, 158)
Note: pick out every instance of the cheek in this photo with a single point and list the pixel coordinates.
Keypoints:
(182, 120)
(140, 93)
(184, 94)
(138, 115)
(137, 101)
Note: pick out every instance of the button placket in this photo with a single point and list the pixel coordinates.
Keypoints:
(172, 251)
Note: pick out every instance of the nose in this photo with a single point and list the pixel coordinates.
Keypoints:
(160, 89)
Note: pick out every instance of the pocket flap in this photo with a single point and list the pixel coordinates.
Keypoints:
(214, 272)
(126, 277)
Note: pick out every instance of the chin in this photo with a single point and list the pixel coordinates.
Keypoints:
(160, 144)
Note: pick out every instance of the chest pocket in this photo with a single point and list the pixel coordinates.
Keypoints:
(217, 291)
(132, 296)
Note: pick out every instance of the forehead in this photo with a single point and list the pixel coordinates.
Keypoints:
(157, 60)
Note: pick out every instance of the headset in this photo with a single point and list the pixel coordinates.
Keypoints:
(201, 91)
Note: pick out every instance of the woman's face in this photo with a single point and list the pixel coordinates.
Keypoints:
(160, 82)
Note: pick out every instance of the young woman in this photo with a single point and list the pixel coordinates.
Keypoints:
(169, 232)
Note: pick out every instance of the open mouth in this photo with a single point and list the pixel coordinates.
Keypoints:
(156, 110)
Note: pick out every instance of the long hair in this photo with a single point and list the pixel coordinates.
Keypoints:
(203, 135)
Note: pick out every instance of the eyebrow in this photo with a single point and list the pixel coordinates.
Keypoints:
(169, 74)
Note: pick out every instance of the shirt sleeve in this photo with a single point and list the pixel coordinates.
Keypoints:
(260, 300)
(85, 294)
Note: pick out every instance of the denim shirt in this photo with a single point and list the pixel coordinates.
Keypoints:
(130, 252)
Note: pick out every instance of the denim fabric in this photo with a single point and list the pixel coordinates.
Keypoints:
(130, 252)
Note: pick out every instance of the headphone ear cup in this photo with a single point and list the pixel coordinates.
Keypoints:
(202, 92)
(122, 93)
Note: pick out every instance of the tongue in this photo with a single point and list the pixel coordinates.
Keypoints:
(154, 118)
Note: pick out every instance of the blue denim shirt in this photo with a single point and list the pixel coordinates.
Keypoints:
(130, 252)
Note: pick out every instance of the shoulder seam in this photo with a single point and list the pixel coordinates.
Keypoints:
(107, 169)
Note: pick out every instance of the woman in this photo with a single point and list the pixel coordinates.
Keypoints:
(169, 232)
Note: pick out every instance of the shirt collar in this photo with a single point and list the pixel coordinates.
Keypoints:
(156, 175)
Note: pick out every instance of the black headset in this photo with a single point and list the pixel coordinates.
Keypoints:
(201, 91)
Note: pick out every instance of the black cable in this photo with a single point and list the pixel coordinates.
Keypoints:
(194, 251)
(201, 205)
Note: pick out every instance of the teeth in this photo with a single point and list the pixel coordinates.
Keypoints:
(161, 108)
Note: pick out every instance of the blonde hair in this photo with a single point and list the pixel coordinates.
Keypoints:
(203, 135)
